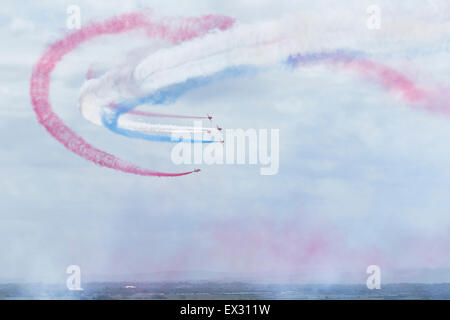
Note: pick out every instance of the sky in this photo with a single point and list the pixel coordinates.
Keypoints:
(363, 176)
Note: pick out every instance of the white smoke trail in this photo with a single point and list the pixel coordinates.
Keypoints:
(260, 44)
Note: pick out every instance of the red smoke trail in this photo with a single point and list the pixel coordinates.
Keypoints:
(92, 73)
(432, 100)
(175, 30)
(435, 100)
(390, 79)
(159, 115)
(163, 115)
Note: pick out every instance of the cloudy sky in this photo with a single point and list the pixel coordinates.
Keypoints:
(363, 177)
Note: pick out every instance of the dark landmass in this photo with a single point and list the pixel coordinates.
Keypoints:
(218, 290)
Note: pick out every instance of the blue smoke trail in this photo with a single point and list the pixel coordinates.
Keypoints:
(337, 55)
(166, 95)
